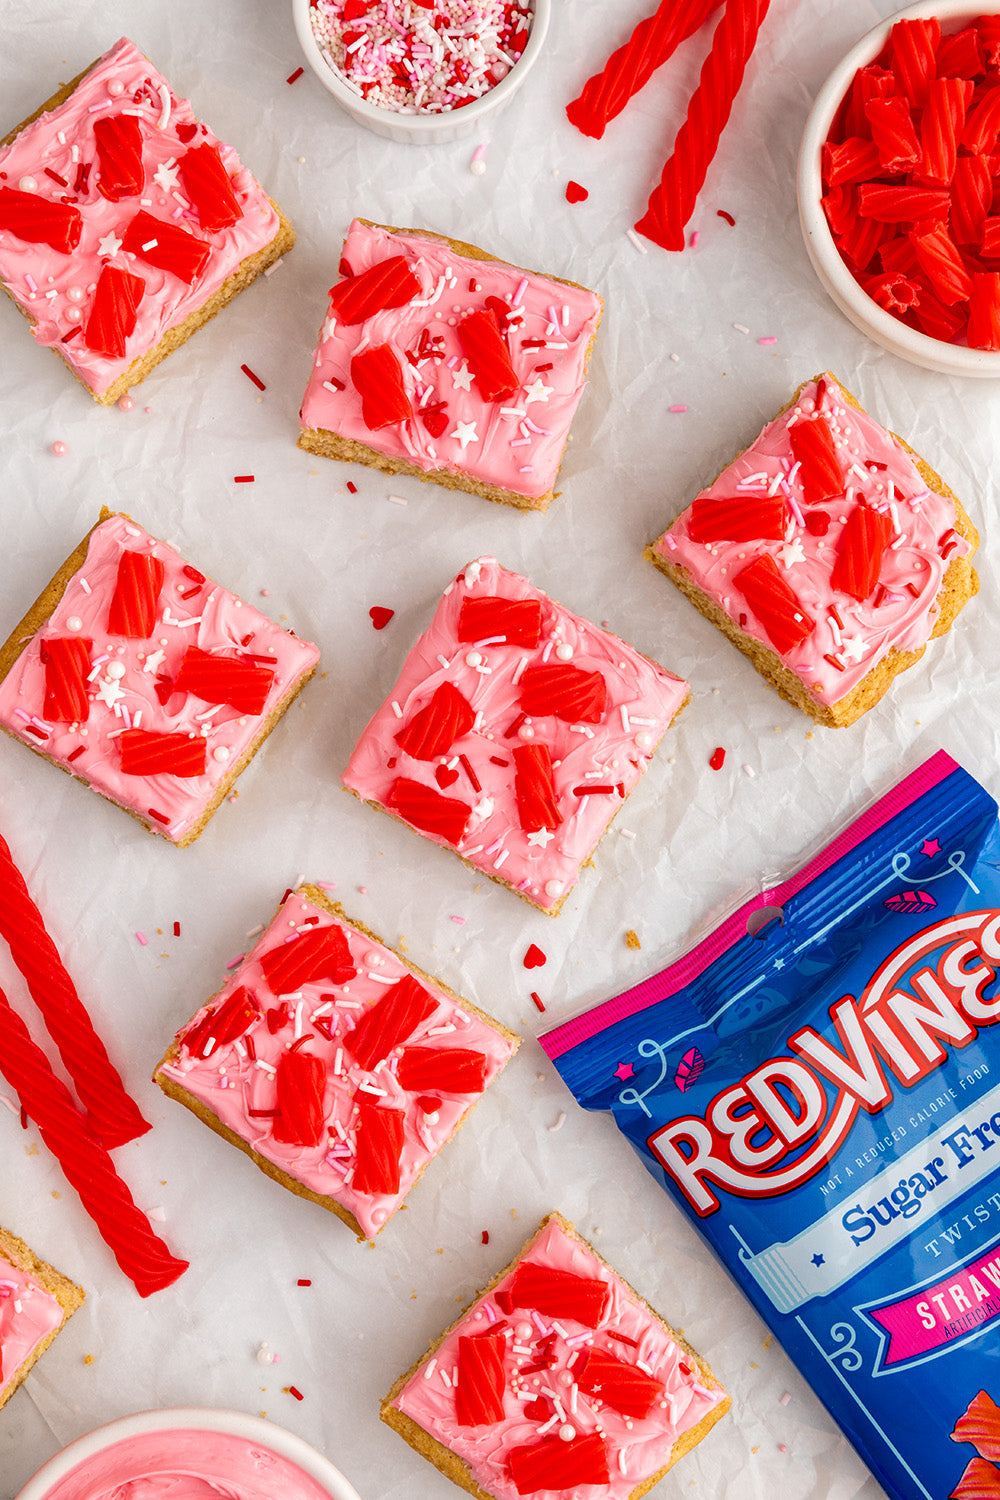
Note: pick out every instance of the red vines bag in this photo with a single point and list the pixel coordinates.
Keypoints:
(823, 1101)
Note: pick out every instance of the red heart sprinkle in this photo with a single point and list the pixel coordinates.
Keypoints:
(534, 958)
(380, 616)
(817, 522)
(436, 422)
(717, 759)
(444, 777)
(428, 1104)
(575, 193)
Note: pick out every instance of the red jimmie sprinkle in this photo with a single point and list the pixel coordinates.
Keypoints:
(247, 370)
(294, 77)
(303, 1281)
(293, 1390)
(717, 758)
(486, 1236)
(177, 929)
(352, 487)
(243, 479)
(537, 1001)
(723, 215)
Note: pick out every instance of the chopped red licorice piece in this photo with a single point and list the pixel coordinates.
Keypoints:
(119, 156)
(900, 205)
(224, 679)
(166, 246)
(428, 810)
(971, 199)
(379, 1146)
(897, 255)
(815, 451)
(448, 1070)
(389, 283)
(557, 1465)
(913, 45)
(853, 160)
(113, 311)
(960, 55)
(982, 124)
(941, 263)
(744, 518)
(564, 690)
(226, 1023)
(871, 82)
(862, 240)
(940, 130)
(534, 788)
(206, 182)
(137, 590)
(435, 727)
(480, 1386)
(388, 1023)
(984, 311)
(933, 317)
(40, 221)
(487, 355)
(775, 604)
(144, 753)
(893, 291)
(559, 1294)
(865, 537)
(619, 1384)
(840, 205)
(519, 621)
(67, 665)
(377, 377)
(320, 953)
(300, 1082)
(894, 134)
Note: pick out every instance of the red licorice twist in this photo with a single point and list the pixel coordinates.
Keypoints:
(672, 202)
(113, 1116)
(143, 1257)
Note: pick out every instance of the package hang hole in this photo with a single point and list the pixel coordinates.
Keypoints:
(760, 923)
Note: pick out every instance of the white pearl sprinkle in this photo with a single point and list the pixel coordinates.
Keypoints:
(644, 740)
(115, 669)
(27, 184)
(564, 651)
(553, 888)
(473, 658)
(567, 1432)
(74, 623)
(221, 753)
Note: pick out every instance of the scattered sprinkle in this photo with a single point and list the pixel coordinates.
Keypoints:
(538, 1002)
(534, 958)
(575, 193)
(58, 449)
(352, 487)
(243, 479)
(637, 241)
(247, 370)
(678, 408)
(741, 328)
(141, 938)
(717, 759)
(380, 616)
(398, 499)
(769, 339)
(559, 1121)
(293, 1390)
(294, 77)
(695, 237)
(728, 217)
(303, 1281)
(485, 1237)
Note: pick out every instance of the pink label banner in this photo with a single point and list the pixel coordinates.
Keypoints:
(962, 1303)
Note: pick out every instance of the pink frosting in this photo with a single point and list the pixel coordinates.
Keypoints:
(187, 1465)
(902, 610)
(56, 288)
(612, 754)
(635, 1447)
(126, 671)
(28, 1314)
(515, 443)
(234, 1079)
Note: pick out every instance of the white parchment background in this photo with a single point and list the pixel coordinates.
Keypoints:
(327, 556)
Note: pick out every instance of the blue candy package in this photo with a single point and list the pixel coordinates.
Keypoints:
(821, 1096)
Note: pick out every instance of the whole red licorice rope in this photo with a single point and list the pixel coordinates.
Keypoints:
(113, 1116)
(140, 1253)
(627, 71)
(672, 202)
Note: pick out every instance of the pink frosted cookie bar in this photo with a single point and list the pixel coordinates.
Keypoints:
(515, 733)
(339, 1068)
(828, 552)
(439, 361)
(146, 680)
(558, 1382)
(35, 1301)
(125, 223)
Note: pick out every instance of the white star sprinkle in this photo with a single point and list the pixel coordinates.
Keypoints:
(537, 391)
(153, 661)
(540, 838)
(852, 648)
(109, 245)
(791, 553)
(461, 378)
(465, 433)
(165, 175)
(109, 692)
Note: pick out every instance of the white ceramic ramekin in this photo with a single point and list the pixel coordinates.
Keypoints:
(855, 304)
(422, 129)
(253, 1430)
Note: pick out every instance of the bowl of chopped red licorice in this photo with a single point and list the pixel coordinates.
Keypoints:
(421, 71)
(899, 187)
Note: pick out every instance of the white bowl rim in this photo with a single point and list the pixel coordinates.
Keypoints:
(920, 348)
(200, 1418)
(421, 126)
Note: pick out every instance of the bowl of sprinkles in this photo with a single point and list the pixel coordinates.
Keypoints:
(422, 71)
(896, 181)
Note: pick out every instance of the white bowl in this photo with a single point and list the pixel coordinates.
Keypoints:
(855, 304)
(253, 1430)
(422, 129)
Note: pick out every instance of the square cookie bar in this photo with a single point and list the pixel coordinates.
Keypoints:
(339, 1068)
(515, 733)
(828, 552)
(440, 361)
(558, 1381)
(35, 1301)
(125, 223)
(146, 680)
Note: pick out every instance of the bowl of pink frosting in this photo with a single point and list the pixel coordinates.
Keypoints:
(188, 1453)
(425, 72)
